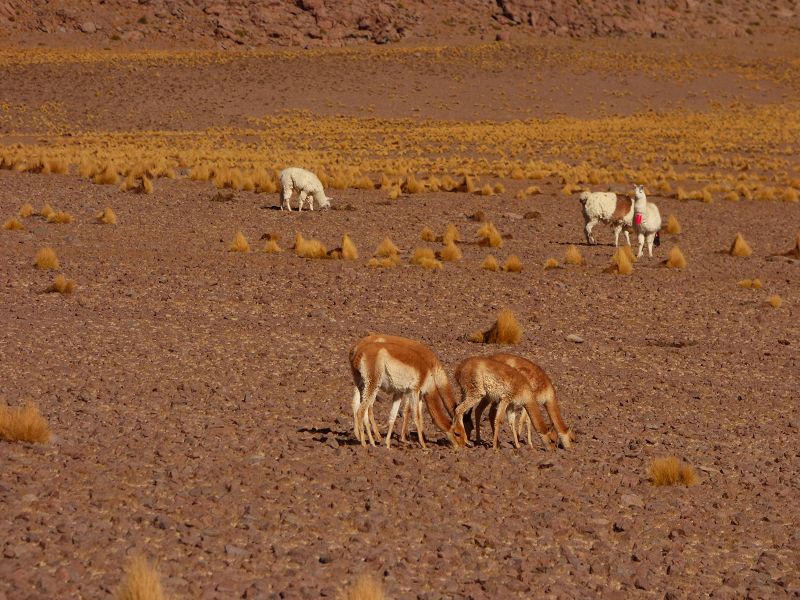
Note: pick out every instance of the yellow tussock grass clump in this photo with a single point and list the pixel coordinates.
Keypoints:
(46, 259)
(486, 190)
(384, 263)
(427, 235)
(550, 263)
(490, 263)
(424, 257)
(532, 190)
(740, 247)
(450, 252)
(499, 188)
(145, 187)
(731, 196)
(60, 217)
(349, 250)
(774, 301)
(25, 211)
(12, 224)
(489, 236)
(107, 216)
(750, 284)
(309, 248)
(46, 211)
(676, 260)
(200, 173)
(506, 330)
(62, 285)
(386, 249)
(517, 173)
(789, 195)
(574, 257)
(478, 216)
(621, 261)
(24, 424)
(673, 226)
(451, 234)
(141, 582)
(109, 176)
(513, 264)
(239, 243)
(671, 471)
(272, 247)
(366, 587)
(412, 186)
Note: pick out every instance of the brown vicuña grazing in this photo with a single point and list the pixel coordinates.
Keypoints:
(141, 582)
(482, 378)
(408, 371)
(24, 424)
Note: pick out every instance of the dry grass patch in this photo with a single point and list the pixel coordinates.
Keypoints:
(740, 247)
(349, 250)
(427, 235)
(62, 285)
(24, 424)
(750, 284)
(489, 236)
(424, 257)
(513, 264)
(670, 470)
(13, 224)
(478, 216)
(505, 330)
(490, 263)
(451, 234)
(107, 216)
(550, 263)
(60, 217)
(486, 190)
(366, 587)
(386, 249)
(573, 256)
(309, 248)
(108, 176)
(46, 211)
(384, 263)
(239, 243)
(450, 252)
(673, 226)
(676, 260)
(621, 261)
(25, 211)
(46, 259)
(774, 301)
(141, 582)
(272, 247)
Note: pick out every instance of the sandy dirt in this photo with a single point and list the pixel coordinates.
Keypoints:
(200, 398)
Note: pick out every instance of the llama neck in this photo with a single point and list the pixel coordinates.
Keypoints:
(437, 410)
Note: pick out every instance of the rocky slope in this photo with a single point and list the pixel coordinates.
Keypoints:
(232, 23)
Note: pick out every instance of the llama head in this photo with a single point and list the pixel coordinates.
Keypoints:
(325, 202)
(638, 191)
(583, 197)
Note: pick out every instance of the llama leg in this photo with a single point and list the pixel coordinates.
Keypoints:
(287, 195)
(498, 421)
(301, 198)
(628, 236)
(617, 230)
(588, 231)
(641, 245)
(650, 238)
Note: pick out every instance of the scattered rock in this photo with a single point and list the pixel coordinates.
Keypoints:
(572, 337)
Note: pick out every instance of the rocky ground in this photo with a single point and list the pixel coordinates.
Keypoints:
(200, 399)
(240, 23)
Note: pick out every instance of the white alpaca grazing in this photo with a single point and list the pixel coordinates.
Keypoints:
(308, 186)
(646, 221)
(610, 208)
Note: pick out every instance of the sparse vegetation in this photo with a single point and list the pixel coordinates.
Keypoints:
(671, 471)
(60, 217)
(141, 582)
(366, 587)
(46, 259)
(621, 261)
(24, 424)
(387, 249)
(107, 216)
(424, 257)
(46, 211)
(62, 285)
(309, 248)
(451, 235)
(13, 224)
(25, 211)
(676, 260)
(775, 301)
(550, 263)
(740, 247)
(489, 236)
(573, 256)
(490, 263)
(349, 250)
(427, 235)
(505, 330)
(239, 243)
(513, 264)
(673, 226)
(450, 252)
(751, 284)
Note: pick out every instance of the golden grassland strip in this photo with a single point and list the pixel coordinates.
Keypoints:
(747, 150)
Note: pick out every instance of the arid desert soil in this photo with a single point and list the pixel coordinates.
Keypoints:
(200, 398)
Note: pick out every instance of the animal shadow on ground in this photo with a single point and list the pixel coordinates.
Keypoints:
(346, 438)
